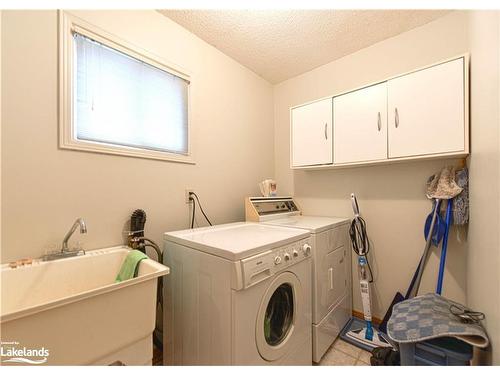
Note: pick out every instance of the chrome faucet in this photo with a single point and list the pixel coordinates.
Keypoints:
(65, 252)
(83, 229)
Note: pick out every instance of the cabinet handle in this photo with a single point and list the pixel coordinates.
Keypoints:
(396, 118)
(379, 122)
(330, 277)
(326, 132)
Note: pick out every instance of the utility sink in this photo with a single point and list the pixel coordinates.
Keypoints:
(71, 311)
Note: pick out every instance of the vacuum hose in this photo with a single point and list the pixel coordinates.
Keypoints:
(359, 240)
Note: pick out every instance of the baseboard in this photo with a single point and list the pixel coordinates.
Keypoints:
(360, 315)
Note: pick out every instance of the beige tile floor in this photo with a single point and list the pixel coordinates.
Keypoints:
(342, 353)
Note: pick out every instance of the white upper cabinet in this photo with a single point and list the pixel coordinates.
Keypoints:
(311, 134)
(360, 125)
(426, 111)
(419, 115)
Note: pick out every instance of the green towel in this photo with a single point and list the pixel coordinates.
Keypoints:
(130, 265)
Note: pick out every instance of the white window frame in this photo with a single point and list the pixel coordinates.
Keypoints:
(68, 24)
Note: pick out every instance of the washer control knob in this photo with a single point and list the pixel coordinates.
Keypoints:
(295, 253)
(287, 257)
(306, 249)
(277, 260)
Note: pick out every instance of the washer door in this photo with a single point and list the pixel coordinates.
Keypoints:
(277, 316)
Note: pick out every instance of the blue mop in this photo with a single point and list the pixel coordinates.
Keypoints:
(440, 186)
(442, 261)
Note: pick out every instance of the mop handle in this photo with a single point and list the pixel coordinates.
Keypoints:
(442, 262)
(425, 254)
(355, 206)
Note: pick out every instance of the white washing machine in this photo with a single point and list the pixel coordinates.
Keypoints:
(238, 294)
(331, 276)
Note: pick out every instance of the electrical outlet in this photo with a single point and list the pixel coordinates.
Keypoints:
(187, 192)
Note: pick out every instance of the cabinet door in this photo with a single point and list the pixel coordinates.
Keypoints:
(360, 125)
(312, 134)
(426, 111)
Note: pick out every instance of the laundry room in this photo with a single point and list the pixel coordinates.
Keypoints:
(257, 184)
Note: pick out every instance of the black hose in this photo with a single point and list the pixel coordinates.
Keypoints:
(157, 334)
(138, 241)
(359, 240)
(201, 209)
(153, 244)
(159, 292)
(194, 212)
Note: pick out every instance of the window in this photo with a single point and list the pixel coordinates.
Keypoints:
(117, 99)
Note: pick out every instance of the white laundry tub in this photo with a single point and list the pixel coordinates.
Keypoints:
(71, 311)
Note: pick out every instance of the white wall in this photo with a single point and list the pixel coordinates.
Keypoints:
(44, 188)
(392, 197)
(0, 131)
(483, 260)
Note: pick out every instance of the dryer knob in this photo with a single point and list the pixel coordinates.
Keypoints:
(306, 249)
(287, 257)
(295, 253)
(277, 260)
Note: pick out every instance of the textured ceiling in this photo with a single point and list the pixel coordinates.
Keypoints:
(280, 44)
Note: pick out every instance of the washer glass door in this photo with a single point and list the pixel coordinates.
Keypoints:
(277, 317)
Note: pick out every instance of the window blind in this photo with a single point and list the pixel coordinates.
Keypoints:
(121, 100)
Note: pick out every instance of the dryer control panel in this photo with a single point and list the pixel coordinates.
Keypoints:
(262, 266)
(269, 208)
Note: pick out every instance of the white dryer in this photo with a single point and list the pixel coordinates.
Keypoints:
(238, 294)
(331, 276)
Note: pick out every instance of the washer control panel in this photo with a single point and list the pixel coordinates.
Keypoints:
(259, 267)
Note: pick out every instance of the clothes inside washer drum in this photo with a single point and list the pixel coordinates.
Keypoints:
(279, 315)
